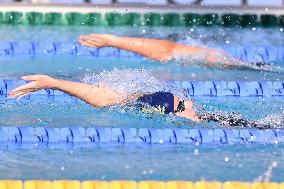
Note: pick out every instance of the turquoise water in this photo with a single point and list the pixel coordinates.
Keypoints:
(107, 162)
(221, 163)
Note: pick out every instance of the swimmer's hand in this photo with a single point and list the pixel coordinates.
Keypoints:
(38, 82)
(98, 40)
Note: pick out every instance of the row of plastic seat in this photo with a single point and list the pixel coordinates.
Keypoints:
(137, 19)
(96, 184)
(248, 53)
(85, 137)
(192, 88)
(232, 88)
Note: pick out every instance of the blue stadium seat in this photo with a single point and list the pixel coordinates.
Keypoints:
(272, 53)
(254, 88)
(188, 87)
(4, 137)
(98, 135)
(151, 135)
(232, 135)
(269, 136)
(65, 135)
(41, 134)
(277, 88)
(169, 136)
(3, 88)
(104, 134)
(52, 49)
(220, 136)
(256, 54)
(236, 51)
(61, 96)
(109, 52)
(198, 88)
(117, 135)
(181, 135)
(52, 135)
(14, 135)
(127, 54)
(176, 135)
(129, 134)
(43, 94)
(123, 135)
(28, 135)
(280, 53)
(279, 134)
(266, 87)
(210, 89)
(234, 88)
(9, 48)
(78, 135)
(32, 49)
(215, 88)
(195, 136)
(243, 88)
(246, 136)
(207, 136)
(252, 135)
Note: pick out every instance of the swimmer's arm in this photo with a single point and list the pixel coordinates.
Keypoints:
(95, 95)
(160, 50)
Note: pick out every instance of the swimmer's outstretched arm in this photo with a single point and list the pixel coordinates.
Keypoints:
(160, 50)
(95, 95)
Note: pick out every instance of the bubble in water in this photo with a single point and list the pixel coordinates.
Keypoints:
(226, 159)
(196, 152)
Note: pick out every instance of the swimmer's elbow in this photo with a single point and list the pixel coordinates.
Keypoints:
(100, 104)
(105, 102)
(165, 58)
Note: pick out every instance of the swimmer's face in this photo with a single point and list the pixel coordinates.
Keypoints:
(188, 104)
(189, 111)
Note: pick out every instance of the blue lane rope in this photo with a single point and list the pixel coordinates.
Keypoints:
(245, 53)
(62, 137)
(191, 88)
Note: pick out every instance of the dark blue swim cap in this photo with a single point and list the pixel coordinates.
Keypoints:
(164, 101)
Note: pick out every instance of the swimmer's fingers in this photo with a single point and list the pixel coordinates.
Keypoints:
(90, 43)
(96, 40)
(21, 93)
(86, 43)
(28, 87)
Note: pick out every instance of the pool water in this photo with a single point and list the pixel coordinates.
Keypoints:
(151, 162)
(138, 162)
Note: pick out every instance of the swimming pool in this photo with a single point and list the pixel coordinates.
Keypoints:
(245, 162)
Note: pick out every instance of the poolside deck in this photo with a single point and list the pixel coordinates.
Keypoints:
(139, 8)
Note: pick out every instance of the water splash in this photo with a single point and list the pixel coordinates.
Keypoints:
(133, 82)
(215, 57)
(274, 121)
(234, 119)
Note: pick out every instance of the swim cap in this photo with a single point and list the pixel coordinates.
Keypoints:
(161, 101)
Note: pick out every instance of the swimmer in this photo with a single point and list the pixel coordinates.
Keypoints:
(100, 96)
(165, 51)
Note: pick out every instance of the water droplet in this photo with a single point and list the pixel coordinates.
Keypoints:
(226, 159)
